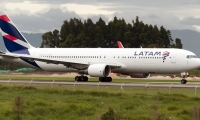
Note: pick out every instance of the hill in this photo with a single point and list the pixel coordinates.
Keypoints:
(190, 39)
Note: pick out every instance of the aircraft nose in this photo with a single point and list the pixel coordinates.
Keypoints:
(198, 63)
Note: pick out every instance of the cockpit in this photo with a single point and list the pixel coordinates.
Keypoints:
(191, 56)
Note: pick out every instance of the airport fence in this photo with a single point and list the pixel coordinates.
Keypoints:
(97, 85)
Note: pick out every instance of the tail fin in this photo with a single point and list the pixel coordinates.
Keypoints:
(14, 41)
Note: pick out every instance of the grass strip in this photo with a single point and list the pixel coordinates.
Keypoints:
(86, 102)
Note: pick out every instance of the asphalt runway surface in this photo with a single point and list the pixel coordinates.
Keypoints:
(122, 84)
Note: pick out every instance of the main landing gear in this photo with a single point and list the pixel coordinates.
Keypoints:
(85, 79)
(81, 78)
(105, 79)
(183, 81)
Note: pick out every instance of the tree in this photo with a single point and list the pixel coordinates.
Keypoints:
(75, 33)
(178, 43)
(51, 39)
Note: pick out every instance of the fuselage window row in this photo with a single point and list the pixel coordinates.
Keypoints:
(124, 57)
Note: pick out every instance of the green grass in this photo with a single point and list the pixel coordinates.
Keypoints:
(88, 103)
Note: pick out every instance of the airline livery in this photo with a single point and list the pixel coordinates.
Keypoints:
(95, 62)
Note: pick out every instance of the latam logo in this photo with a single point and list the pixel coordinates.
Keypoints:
(165, 54)
(147, 53)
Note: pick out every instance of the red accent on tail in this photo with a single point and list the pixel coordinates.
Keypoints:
(10, 37)
(120, 44)
(5, 18)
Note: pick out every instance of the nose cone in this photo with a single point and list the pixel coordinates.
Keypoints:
(198, 63)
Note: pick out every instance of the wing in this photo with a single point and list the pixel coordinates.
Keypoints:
(69, 64)
(1, 52)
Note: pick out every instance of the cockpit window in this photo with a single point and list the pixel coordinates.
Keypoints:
(191, 56)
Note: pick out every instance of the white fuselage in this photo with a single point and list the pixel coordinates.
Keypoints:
(131, 60)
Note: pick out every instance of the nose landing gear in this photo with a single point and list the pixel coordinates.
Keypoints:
(184, 75)
(183, 81)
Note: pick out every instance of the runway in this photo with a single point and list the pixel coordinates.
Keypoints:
(122, 84)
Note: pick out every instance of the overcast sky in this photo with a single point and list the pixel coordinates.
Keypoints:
(46, 15)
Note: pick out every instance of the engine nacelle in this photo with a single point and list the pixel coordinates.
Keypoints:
(139, 75)
(99, 70)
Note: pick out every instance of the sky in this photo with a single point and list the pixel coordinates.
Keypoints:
(45, 15)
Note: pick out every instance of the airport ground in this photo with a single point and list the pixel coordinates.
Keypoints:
(61, 76)
(88, 103)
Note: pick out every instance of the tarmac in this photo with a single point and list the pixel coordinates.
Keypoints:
(49, 74)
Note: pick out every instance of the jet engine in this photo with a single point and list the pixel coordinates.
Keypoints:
(139, 75)
(99, 70)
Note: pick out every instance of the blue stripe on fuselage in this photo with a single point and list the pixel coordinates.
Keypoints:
(11, 30)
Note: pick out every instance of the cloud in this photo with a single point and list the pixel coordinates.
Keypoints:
(178, 14)
(146, 3)
(52, 19)
(190, 21)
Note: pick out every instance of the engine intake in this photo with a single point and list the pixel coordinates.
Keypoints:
(99, 70)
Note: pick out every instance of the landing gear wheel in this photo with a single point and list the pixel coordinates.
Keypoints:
(100, 79)
(77, 78)
(85, 78)
(183, 81)
(81, 78)
(110, 79)
(105, 79)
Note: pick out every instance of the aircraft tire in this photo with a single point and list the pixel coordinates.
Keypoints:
(105, 79)
(100, 79)
(76, 78)
(110, 79)
(183, 81)
(85, 78)
(82, 78)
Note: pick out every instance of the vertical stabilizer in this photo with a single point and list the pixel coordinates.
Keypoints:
(14, 41)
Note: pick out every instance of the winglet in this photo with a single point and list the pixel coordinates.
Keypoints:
(120, 44)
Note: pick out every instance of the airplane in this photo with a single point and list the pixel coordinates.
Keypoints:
(95, 62)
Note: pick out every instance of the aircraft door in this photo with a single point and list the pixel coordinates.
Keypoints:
(173, 59)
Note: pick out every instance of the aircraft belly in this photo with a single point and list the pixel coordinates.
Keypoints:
(143, 66)
(158, 67)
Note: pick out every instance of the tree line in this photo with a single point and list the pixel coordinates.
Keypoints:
(87, 34)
